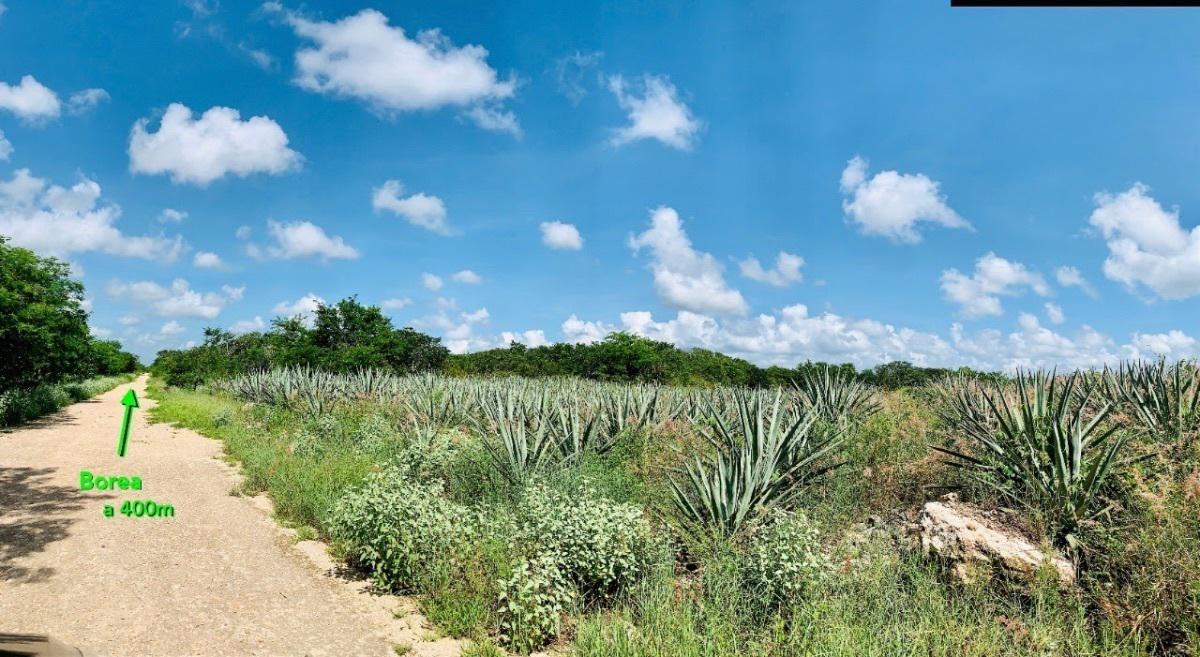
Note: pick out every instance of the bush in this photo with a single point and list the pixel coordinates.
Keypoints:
(601, 546)
(532, 603)
(401, 532)
(782, 557)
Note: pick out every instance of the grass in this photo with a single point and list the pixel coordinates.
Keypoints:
(1139, 594)
(23, 405)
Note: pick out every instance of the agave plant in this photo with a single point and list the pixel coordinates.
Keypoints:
(835, 396)
(1164, 398)
(761, 461)
(1039, 448)
(516, 435)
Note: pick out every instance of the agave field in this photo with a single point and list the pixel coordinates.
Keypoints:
(617, 519)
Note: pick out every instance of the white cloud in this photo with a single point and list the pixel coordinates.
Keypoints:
(1054, 313)
(431, 282)
(684, 277)
(304, 307)
(1172, 344)
(248, 325)
(207, 260)
(30, 100)
(1147, 246)
(129, 320)
(479, 316)
(786, 270)
(303, 239)
(495, 119)
(1070, 277)
(419, 209)
(171, 328)
(171, 215)
(531, 338)
(243, 232)
(578, 331)
(396, 303)
(6, 148)
(364, 58)
(467, 277)
(82, 102)
(891, 204)
(559, 235)
(657, 114)
(979, 295)
(2, 9)
(444, 303)
(219, 143)
(571, 71)
(178, 300)
(59, 221)
(96, 331)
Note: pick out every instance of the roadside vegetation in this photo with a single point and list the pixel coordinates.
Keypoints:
(48, 358)
(623, 518)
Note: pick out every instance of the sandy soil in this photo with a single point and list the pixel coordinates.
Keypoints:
(219, 578)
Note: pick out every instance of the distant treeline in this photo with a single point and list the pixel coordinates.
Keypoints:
(44, 334)
(348, 336)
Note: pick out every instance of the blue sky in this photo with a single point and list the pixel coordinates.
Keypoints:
(947, 186)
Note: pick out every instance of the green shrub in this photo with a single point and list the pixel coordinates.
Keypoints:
(401, 532)
(781, 559)
(533, 601)
(600, 546)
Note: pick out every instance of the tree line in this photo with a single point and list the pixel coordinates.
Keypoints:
(349, 335)
(44, 334)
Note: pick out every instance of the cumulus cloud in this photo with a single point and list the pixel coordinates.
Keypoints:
(459, 333)
(978, 295)
(303, 307)
(60, 221)
(6, 148)
(364, 58)
(395, 303)
(786, 270)
(428, 212)
(467, 276)
(201, 150)
(495, 119)
(30, 100)
(178, 300)
(559, 235)
(129, 320)
(172, 216)
(1070, 277)
(302, 239)
(82, 102)
(571, 71)
(431, 282)
(891, 204)
(1147, 246)
(1054, 313)
(684, 277)
(579, 331)
(530, 338)
(248, 325)
(656, 114)
(207, 260)
(171, 328)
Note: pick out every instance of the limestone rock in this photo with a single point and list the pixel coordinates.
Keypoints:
(978, 545)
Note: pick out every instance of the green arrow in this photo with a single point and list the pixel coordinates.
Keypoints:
(130, 402)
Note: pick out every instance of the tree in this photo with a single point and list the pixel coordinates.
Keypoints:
(44, 333)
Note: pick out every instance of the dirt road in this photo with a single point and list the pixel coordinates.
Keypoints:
(218, 578)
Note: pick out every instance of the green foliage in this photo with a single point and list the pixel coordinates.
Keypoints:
(836, 397)
(399, 531)
(762, 461)
(782, 559)
(1039, 449)
(1164, 398)
(345, 337)
(532, 603)
(24, 404)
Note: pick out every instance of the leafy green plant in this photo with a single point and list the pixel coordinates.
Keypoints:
(523, 444)
(760, 462)
(532, 603)
(1037, 448)
(781, 559)
(402, 533)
